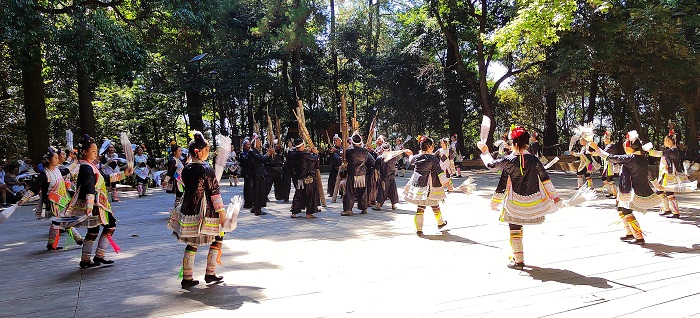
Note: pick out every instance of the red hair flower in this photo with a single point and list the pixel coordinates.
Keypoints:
(516, 131)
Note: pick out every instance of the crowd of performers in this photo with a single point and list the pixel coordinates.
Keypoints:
(76, 187)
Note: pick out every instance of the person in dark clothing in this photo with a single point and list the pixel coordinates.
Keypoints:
(282, 182)
(203, 190)
(261, 178)
(525, 191)
(287, 173)
(336, 161)
(305, 164)
(359, 161)
(248, 173)
(635, 190)
(386, 187)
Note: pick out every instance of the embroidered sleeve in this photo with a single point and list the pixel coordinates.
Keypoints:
(89, 201)
(117, 176)
(549, 189)
(218, 203)
(443, 178)
(496, 200)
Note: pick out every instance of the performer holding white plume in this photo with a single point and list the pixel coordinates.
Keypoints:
(635, 192)
(608, 173)
(584, 134)
(198, 219)
(427, 184)
(525, 194)
(670, 179)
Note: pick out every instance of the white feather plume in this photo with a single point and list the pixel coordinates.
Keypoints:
(551, 163)
(222, 155)
(485, 129)
(5, 214)
(583, 195)
(467, 187)
(128, 151)
(232, 211)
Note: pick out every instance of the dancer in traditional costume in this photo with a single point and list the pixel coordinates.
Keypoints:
(248, 173)
(635, 192)
(202, 210)
(258, 164)
(233, 169)
(583, 173)
(386, 187)
(403, 161)
(359, 161)
(274, 170)
(174, 174)
(305, 164)
(443, 153)
(524, 191)
(608, 174)
(92, 203)
(458, 157)
(54, 198)
(427, 184)
(373, 174)
(336, 161)
(142, 171)
(285, 185)
(110, 166)
(669, 176)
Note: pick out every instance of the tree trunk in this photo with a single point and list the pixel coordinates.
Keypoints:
(455, 111)
(369, 26)
(334, 57)
(551, 134)
(592, 97)
(86, 111)
(194, 98)
(37, 126)
(692, 106)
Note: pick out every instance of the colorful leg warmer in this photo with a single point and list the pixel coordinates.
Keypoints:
(634, 226)
(589, 182)
(418, 219)
(438, 214)
(188, 262)
(214, 257)
(673, 204)
(87, 246)
(103, 242)
(626, 225)
(76, 235)
(516, 243)
(54, 237)
(664, 203)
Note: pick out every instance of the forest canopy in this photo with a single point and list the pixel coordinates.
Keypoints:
(160, 68)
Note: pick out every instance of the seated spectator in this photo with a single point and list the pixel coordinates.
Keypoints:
(15, 187)
(4, 191)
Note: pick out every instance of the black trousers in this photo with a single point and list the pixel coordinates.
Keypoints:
(306, 198)
(331, 179)
(352, 195)
(387, 190)
(247, 191)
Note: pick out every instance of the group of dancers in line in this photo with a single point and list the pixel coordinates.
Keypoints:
(75, 194)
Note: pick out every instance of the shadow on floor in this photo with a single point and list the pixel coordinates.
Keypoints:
(224, 296)
(447, 237)
(565, 277)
